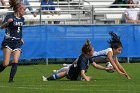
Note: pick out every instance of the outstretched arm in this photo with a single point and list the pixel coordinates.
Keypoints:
(121, 68)
(97, 66)
(113, 63)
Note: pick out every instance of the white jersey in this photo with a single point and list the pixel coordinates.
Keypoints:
(133, 14)
(136, 1)
(101, 56)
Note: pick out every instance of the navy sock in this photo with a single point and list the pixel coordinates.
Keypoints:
(13, 71)
(53, 77)
(2, 67)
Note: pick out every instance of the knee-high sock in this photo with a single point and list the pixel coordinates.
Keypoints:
(53, 77)
(2, 67)
(13, 71)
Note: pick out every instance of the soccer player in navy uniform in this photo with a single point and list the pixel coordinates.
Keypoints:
(13, 41)
(79, 70)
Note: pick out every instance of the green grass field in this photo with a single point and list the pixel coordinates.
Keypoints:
(28, 80)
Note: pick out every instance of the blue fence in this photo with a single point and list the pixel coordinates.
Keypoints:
(65, 41)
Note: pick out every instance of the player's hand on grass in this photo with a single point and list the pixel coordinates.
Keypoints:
(121, 73)
(128, 77)
(88, 78)
(125, 74)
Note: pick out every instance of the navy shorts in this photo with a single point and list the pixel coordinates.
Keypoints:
(12, 44)
(73, 73)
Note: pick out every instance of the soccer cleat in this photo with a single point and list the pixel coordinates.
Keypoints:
(54, 71)
(64, 65)
(44, 78)
(68, 65)
(10, 81)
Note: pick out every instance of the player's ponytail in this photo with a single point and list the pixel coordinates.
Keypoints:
(88, 42)
(87, 47)
(114, 41)
(15, 4)
(12, 3)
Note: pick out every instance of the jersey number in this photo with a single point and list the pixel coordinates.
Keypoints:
(18, 29)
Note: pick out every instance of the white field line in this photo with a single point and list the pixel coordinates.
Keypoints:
(22, 87)
(41, 87)
(64, 85)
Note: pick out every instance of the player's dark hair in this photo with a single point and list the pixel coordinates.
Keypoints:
(114, 41)
(87, 47)
(12, 3)
(15, 4)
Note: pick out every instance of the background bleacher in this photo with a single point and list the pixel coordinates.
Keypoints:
(81, 11)
(78, 11)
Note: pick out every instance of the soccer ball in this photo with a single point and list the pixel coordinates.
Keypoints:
(111, 69)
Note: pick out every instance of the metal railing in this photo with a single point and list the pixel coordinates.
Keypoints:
(78, 13)
(81, 14)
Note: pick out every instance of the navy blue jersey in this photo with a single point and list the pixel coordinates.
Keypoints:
(14, 29)
(82, 64)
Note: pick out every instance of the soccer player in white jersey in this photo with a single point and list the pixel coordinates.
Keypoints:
(110, 55)
(112, 52)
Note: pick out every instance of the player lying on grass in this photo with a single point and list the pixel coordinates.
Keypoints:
(81, 67)
(109, 56)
